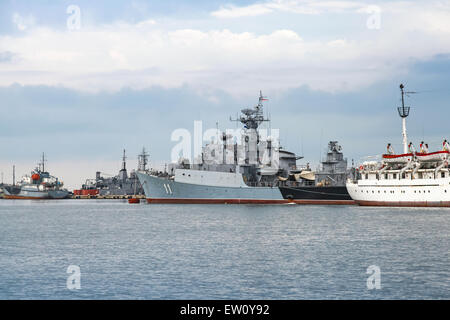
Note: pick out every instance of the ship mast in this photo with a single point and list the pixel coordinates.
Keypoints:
(124, 163)
(143, 160)
(123, 172)
(252, 119)
(404, 113)
(43, 162)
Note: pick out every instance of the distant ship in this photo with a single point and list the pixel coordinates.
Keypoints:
(249, 172)
(119, 185)
(409, 179)
(39, 185)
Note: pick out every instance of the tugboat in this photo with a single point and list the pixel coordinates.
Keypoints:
(255, 171)
(409, 179)
(39, 185)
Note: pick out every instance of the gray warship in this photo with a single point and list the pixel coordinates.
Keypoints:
(123, 184)
(256, 170)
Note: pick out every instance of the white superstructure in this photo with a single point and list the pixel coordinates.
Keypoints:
(409, 179)
(398, 187)
(210, 178)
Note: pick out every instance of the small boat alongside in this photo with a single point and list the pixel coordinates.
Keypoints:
(397, 158)
(433, 156)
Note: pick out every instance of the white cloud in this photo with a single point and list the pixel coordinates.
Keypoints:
(237, 12)
(141, 55)
(293, 6)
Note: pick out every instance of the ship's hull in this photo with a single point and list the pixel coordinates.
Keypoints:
(26, 194)
(58, 194)
(329, 193)
(402, 193)
(163, 190)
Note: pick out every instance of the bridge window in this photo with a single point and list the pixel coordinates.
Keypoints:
(394, 176)
(442, 174)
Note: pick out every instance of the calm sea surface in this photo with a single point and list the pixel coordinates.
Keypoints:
(221, 251)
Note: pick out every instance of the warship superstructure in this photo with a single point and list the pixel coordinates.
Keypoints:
(250, 167)
(38, 185)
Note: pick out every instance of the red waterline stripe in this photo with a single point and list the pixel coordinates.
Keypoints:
(248, 201)
(403, 203)
(24, 198)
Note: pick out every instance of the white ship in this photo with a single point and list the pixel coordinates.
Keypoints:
(410, 179)
(39, 185)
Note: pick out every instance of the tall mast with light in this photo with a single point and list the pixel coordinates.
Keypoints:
(404, 113)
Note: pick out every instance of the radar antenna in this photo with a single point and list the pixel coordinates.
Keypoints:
(252, 118)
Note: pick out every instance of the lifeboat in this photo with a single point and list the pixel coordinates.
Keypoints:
(433, 156)
(35, 177)
(398, 158)
(134, 200)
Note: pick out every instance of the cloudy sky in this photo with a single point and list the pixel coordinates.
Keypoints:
(82, 80)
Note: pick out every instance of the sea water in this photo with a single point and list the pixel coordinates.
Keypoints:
(144, 251)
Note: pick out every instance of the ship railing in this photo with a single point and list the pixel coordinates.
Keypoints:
(276, 184)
